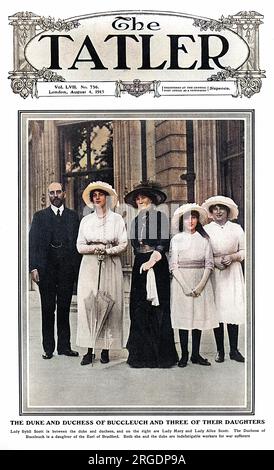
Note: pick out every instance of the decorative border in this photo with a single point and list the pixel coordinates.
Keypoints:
(26, 25)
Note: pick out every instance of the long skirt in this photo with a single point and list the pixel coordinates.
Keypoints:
(151, 338)
(111, 284)
(189, 313)
(229, 291)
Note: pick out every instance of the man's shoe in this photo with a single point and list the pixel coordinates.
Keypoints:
(47, 356)
(68, 352)
(200, 360)
(104, 356)
(236, 356)
(220, 357)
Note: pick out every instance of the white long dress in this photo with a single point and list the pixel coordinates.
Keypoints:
(111, 231)
(228, 284)
(191, 254)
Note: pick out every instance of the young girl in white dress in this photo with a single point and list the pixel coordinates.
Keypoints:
(191, 263)
(228, 244)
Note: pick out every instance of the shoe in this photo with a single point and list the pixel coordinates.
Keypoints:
(68, 352)
(183, 361)
(87, 359)
(220, 356)
(47, 356)
(200, 360)
(104, 356)
(236, 356)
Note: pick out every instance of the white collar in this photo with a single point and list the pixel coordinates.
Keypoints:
(55, 209)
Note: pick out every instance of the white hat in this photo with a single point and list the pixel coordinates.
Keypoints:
(184, 209)
(100, 186)
(224, 201)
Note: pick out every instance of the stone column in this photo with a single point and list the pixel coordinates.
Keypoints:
(43, 162)
(127, 172)
(205, 159)
(171, 158)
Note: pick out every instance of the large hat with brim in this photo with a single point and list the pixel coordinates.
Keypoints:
(100, 186)
(223, 201)
(146, 188)
(185, 209)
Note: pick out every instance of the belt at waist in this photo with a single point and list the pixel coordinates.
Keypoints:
(55, 246)
(191, 264)
(145, 249)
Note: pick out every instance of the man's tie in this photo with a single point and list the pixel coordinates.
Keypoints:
(58, 213)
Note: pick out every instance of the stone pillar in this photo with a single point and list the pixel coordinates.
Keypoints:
(127, 172)
(43, 162)
(127, 169)
(171, 158)
(205, 160)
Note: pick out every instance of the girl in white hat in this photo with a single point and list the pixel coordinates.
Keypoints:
(191, 263)
(228, 243)
(102, 236)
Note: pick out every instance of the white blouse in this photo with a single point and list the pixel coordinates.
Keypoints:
(226, 239)
(190, 251)
(109, 230)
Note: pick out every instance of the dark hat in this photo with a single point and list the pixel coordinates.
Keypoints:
(146, 188)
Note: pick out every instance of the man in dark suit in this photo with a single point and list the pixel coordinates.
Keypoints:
(54, 265)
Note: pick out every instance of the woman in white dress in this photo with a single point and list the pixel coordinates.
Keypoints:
(191, 263)
(228, 244)
(102, 236)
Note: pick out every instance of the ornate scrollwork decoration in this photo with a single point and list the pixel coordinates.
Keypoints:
(23, 85)
(247, 83)
(214, 25)
(250, 85)
(228, 72)
(49, 76)
(50, 24)
(23, 21)
(136, 88)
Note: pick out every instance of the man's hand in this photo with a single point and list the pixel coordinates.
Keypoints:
(35, 276)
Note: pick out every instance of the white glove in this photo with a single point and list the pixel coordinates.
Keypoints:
(218, 263)
(200, 287)
(228, 259)
(179, 277)
(154, 258)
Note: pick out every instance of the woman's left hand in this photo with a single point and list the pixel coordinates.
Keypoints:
(100, 250)
(197, 291)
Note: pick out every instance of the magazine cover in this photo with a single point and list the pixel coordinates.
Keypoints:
(136, 249)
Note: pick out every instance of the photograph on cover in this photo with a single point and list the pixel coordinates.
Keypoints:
(146, 307)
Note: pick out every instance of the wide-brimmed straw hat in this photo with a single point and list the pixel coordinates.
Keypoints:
(223, 201)
(185, 209)
(146, 188)
(100, 186)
